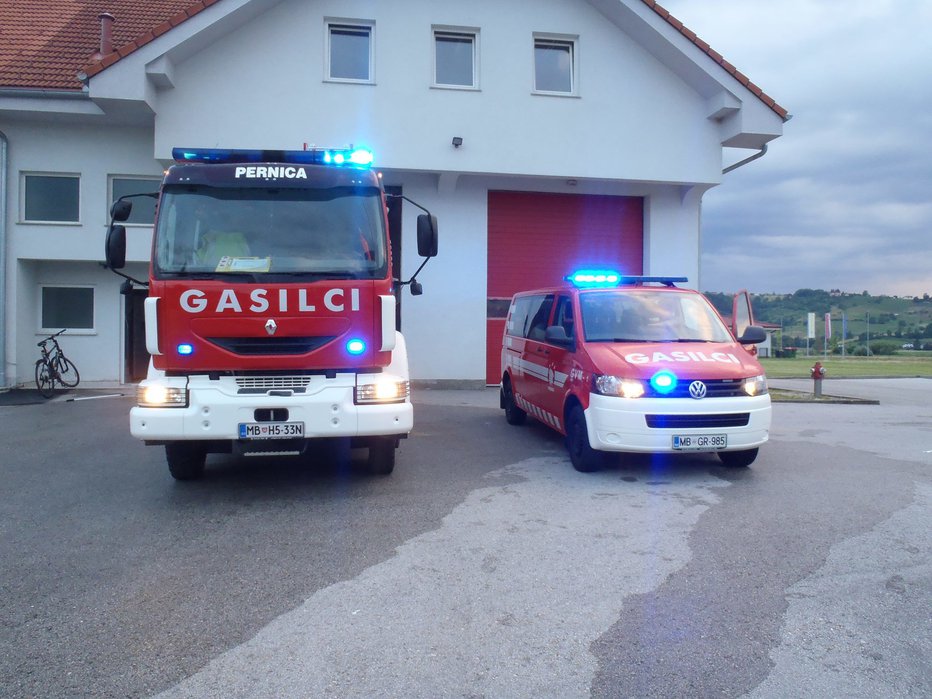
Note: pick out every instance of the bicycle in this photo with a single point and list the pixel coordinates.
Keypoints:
(54, 366)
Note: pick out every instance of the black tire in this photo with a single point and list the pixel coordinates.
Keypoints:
(45, 379)
(381, 461)
(186, 460)
(738, 459)
(585, 459)
(513, 414)
(67, 372)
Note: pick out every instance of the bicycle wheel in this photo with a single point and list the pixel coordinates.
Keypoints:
(67, 372)
(45, 378)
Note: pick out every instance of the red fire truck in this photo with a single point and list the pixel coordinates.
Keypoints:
(270, 316)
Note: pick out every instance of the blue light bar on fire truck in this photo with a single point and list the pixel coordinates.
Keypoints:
(348, 157)
(605, 278)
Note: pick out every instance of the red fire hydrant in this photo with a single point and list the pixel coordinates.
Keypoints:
(817, 372)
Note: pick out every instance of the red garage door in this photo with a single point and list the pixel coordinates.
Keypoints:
(537, 239)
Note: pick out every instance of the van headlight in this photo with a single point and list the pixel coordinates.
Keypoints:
(609, 385)
(755, 386)
(384, 389)
(157, 395)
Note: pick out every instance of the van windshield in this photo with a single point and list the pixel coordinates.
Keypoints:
(324, 233)
(646, 315)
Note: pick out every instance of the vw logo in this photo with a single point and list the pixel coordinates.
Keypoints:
(270, 326)
(697, 390)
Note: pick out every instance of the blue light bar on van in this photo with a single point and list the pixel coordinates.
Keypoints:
(596, 278)
(588, 278)
(349, 157)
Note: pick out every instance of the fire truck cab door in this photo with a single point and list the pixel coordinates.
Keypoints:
(536, 357)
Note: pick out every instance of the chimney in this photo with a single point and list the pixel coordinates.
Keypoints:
(106, 36)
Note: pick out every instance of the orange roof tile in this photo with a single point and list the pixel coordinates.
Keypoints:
(44, 44)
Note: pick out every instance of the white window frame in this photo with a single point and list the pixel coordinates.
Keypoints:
(156, 181)
(361, 24)
(71, 330)
(22, 197)
(569, 40)
(439, 30)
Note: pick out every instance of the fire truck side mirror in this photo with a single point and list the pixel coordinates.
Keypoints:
(121, 210)
(116, 246)
(427, 235)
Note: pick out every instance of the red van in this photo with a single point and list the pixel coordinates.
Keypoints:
(635, 364)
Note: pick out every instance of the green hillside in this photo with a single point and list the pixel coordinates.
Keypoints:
(885, 323)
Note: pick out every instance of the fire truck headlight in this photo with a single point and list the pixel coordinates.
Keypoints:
(755, 386)
(160, 396)
(616, 386)
(385, 389)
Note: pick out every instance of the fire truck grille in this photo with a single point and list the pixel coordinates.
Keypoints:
(270, 345)
(697, 421)
(266, 383)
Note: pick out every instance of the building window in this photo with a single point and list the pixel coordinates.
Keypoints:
(69, 307)
(455, 58)
(555, 65)
(143, 207)
(350, 52)
(51, 198)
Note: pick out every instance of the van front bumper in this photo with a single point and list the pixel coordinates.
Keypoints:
(623, 424)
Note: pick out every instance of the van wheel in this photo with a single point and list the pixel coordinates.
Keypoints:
(382, 456)
(585, 459)
(738, 459)
(186, 460)
(513, 414)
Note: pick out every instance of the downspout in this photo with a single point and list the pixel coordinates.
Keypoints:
(4, 162)
(747, 160)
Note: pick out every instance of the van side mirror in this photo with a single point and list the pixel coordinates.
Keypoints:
(753, 335)
(115, 247)
(427, 235)
(556, 334)
(121, 210)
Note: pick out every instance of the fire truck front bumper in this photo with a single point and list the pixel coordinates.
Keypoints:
(268, 408)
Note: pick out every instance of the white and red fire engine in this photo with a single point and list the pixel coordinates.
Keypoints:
(635, 364)
(270, 316)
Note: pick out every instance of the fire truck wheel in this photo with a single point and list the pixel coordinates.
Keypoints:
(585, 459)
(513, 414)
(738, 459)
(185, 460)
(382, 456)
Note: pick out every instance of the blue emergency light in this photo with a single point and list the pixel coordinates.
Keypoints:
(185, 348)
(356, 346)
(589, 278)
(350, 157)
(663, 382)
(605, 278)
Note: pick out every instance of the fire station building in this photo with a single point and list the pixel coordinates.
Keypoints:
(581, 134)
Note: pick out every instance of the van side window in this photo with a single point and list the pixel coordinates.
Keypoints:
(517, 316)
(564, 315)
(540, 315)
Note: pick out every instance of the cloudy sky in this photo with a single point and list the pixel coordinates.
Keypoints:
(844, 198)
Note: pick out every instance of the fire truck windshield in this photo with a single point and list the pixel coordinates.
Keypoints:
(649, 315)
(275, 232)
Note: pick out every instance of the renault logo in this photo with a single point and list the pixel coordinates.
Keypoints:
(697, 390)
(270, 326)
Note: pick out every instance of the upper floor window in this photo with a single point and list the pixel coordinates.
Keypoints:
(554, 64)
(143, 212)
(455, 57)
(48, 198)
(350, 55)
